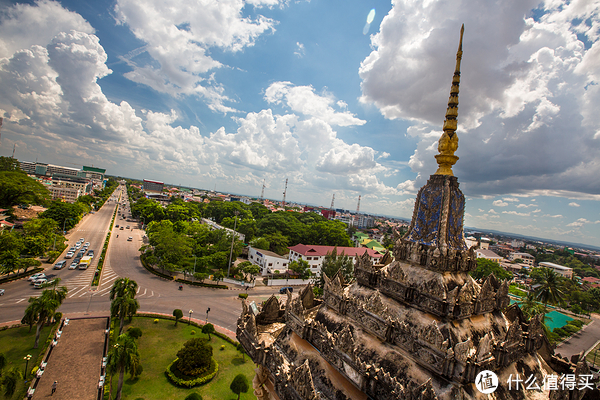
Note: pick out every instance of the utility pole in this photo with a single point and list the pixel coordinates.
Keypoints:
(232, 239)
(284, 192)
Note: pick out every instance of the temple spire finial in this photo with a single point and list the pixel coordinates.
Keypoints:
(448, 143)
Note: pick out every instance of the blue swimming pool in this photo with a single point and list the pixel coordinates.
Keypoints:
(554, 319)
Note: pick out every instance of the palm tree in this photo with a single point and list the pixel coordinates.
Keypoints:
(9, 380)
(42, 309)
(123, 357)
(551, 289)
(122, 307)
(530, 306)
(123, 287)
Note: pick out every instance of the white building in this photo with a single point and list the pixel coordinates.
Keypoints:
(526, 257)
(559, 269)
(268, 261)
(488, 254)
(315, 255)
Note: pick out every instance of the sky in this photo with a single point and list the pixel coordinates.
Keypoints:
(343, 97)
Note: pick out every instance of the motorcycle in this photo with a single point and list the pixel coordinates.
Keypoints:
(180, 287)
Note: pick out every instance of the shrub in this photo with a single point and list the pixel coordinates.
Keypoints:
(243, 295)
(560, 332)
(576, 322)
(135, 333)
(177, 313)
(193, 396)
(177, 381)
(156, 321)
(57, 316)
(239, 384)
(222, 347)
(570, 328)
(208, 329)
(194, 358)
(193, 332)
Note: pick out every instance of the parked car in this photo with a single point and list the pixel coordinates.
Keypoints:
(284, 290)
(127, 227)
(36, 276)
(60, 264)
(121, 228)
(116, 226)
(130, 238)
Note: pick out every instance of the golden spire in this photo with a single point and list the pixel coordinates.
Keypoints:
(448, 143)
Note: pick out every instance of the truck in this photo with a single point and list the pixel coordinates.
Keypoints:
(85, 262)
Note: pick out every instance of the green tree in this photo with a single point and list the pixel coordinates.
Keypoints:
(302, 268)
(218, 276)
(17, 188)
(123, 357)
(178, 314)
(10, 164)
(123, 302)
(65, 214)
(208, 329)
(239, 385)
(41, 309)
(134, 332)
(486, 267)
(195, 357)
(9, 378)
(260, 243)
(551, 289)
(332, 263)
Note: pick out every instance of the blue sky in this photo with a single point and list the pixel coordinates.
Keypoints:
(231, 93)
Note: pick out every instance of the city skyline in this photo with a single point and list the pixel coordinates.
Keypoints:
(334, 96)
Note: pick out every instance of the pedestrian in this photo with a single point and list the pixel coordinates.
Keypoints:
(54, 387)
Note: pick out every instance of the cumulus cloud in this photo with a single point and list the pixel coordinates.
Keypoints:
(178, 37)
(516, 213)
(528, 90)
(579, 223)
(573, 204)
(304, 100)
(499, 203)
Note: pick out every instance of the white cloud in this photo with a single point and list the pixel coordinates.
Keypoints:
(573, 204)
(552, 216)
(499, 203)
(579, 223)
(516, 213)
(524, 84)
(303, 99)
(178, 37)
(525, 205)
(300, 50)
(511, 199)
(492, 211)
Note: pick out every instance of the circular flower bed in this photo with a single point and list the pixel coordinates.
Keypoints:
(178, 379)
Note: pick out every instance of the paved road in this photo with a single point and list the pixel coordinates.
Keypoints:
(582, 340)
(154, 294)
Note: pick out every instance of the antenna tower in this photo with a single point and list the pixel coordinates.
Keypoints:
(284, 192)
(262, 193)
(358, 205)
(332, 199)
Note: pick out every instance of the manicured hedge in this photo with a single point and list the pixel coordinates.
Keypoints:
(243, 295)
(17, 277)
(211, 285)
(201, 380)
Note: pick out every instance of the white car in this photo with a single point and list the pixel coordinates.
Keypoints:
(60, 264)
(1, 292)
(74, 265)
(130, 238)
(36, 276)
(69, 254)
(77, 245)
(87, 244)
(72, 249)
(39, 281)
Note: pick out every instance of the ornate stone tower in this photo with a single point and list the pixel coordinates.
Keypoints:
(416, 327)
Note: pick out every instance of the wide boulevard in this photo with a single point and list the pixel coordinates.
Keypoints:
(123, 260)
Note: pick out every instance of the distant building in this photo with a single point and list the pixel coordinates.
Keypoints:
(559, 269)
(153, 186)
(315, 255)
(488, 254)
(66, 194)
(526, 257)
(363, 221)
(268, 261)
(517, 244)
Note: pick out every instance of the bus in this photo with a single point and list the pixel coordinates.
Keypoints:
(85, 262)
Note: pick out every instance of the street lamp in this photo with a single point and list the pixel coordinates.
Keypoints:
(26, 358)
(207, 311)
(232, 239)
(190, 320)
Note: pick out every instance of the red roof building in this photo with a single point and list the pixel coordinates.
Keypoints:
(315, 255)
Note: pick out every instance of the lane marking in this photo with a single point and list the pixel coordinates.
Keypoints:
(80, 289)
(22, 300)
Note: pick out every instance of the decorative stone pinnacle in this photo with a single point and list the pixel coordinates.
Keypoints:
(448, 143)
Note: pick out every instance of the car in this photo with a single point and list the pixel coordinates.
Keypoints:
(69, 254)
(1, 292)
(81, 253)
(60, 264)
(116, 226)
(82, 240)
(77, 245)
(284, 290)
(87, 244)
(36, 276)
(90, 253)
(39, 280)
(127, 227)
(130, 238)
(74, 265)
(73, 249)
(121, 228)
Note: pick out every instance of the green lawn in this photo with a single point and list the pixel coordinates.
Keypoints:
(16, 343)
(158, 347)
